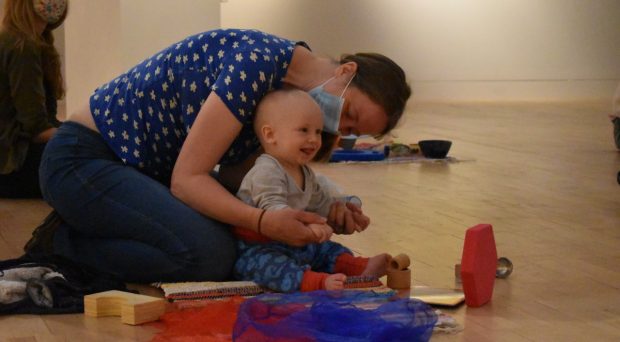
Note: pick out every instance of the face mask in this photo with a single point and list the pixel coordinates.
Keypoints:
(50, 10)
(331, 106)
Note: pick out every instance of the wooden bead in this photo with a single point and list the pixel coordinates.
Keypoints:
(398, 279)
(400, 262)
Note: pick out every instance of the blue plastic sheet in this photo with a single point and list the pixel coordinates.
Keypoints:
(334, 316)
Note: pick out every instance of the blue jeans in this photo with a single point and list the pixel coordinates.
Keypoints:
(120, 221)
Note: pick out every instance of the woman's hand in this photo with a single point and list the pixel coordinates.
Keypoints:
(347, 218)
(291, 226)
(323, 231)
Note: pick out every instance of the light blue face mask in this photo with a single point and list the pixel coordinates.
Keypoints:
(331, 106)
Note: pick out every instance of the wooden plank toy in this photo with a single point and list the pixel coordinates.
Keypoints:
(132, 308)
(478, 265)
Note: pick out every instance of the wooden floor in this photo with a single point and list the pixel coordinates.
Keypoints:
(544, 175)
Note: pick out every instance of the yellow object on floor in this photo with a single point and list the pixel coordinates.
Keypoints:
(132, 308)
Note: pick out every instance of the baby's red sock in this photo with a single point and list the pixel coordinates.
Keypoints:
(350, 265)
(313, 281)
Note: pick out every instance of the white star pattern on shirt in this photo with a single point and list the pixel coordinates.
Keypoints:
(243, 67)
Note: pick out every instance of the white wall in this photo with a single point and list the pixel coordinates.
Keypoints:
(451, 49)
(462, 49)
(151, 25)
(105, 38)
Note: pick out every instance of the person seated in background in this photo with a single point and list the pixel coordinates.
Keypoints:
(30, 85)
(289, 126)
(615, 119)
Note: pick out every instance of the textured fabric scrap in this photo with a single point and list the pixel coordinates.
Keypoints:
(49, 285)
(334, 316)
(17, 283)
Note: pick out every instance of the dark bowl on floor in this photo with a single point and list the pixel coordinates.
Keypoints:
(347, 143)
(435, 149)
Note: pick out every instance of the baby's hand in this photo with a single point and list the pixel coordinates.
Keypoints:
(335, 281)
(362, 221)
(347, 218)
(323, 232)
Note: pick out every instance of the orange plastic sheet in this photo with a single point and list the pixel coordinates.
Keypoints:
(205, 321)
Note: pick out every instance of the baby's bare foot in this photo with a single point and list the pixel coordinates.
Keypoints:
(377, 265)
(335, 281)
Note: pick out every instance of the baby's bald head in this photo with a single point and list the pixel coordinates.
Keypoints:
(281, 106)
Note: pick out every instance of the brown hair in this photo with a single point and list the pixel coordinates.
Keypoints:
(383, 81)
(328, 143)
(21, 20)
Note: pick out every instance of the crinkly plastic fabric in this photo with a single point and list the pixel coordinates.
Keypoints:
(334, 316)
(205, 321)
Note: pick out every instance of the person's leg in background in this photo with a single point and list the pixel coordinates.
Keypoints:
(616, 122)
(615, 119)
(24, 183)
(120, 221)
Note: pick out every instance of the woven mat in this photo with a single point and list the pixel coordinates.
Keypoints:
(217, 290)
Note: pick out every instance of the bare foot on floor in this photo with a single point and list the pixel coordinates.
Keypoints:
(377, 265)
(335, 281)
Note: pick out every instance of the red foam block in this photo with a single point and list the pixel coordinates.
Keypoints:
(478, 265)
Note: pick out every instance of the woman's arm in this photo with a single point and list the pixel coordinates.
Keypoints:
(212, 133)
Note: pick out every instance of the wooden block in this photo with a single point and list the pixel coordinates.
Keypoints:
(478, 265)
(400, 262)
(398, 279)
(132, 308)
(398, 275)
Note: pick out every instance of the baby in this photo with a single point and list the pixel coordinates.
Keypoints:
(289, 125)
